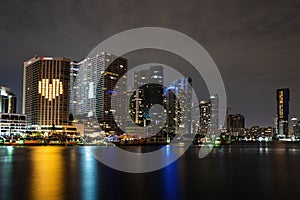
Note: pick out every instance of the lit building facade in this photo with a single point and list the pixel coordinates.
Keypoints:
(295, 126)
(173, 110)
(209, 116)
(235, 123)
(283, 97)
(182, 88)
(8, 100)
(46, 90)
(12, 124)
(214, 128)
(73, 86)
(98, 97)
(149, 90)
(205, 113)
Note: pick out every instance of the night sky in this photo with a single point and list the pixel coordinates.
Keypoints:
(255, 44)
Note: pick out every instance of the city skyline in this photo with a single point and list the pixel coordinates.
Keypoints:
(75, 63)
(149, 99)
(255, 45)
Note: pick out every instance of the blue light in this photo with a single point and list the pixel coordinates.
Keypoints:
(112, 92)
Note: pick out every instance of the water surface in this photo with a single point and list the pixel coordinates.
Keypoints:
(258, 171)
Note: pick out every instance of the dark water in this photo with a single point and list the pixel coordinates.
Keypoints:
(257, 171)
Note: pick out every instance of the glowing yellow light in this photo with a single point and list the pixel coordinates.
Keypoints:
(43, 87)
(57, 87)
(61, 88)
(50, 91)
(47, 87)
(40, 87)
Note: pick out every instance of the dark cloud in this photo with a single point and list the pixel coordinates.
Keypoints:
(255, 44)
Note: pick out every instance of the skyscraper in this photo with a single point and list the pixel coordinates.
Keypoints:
(209, 116)
(8, 100)
(235, 123)
(46, 90)
(182, 88)
(73, 86)
(148, 84)
(214, 117)
(283, 97)
(205, 113)
(95, 87)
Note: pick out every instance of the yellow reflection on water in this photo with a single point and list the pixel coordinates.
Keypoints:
(47, 173)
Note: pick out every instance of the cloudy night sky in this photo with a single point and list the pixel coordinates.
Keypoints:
(255, 44)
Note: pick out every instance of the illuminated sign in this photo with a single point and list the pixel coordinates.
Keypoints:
(50, 90)
(280, 104)
(47, 58)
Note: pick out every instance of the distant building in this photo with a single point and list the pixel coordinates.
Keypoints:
(283, 97)
(133, 125)
(214, 128)
(275, 127)
(74, 68)
(195, 113)
(12, 124)
(295, 126)
(205, 113)
(257, 133)
(182, 88)
(209, 116)
(235, 123)
(149, 90)
(46, 92)
(8, 100)
(173, 110)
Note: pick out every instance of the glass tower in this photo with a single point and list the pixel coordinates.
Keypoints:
(283, 98)
(100, 92)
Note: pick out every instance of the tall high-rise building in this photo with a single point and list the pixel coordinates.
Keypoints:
(98, 96)
(214, 128)
(73, 86)
(235, 123)
(195, 122)
(275, 127)
(46, 89)
(148, 84)
(8, 100)
(205, 113)
(148, 91)
(173, 110)
(283, 97)
(209, 116)
(182, 88)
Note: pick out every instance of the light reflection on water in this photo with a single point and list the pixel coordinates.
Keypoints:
(7, 156)
(268, 170)
(89, 177)
(47, 173)
(171, 183)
